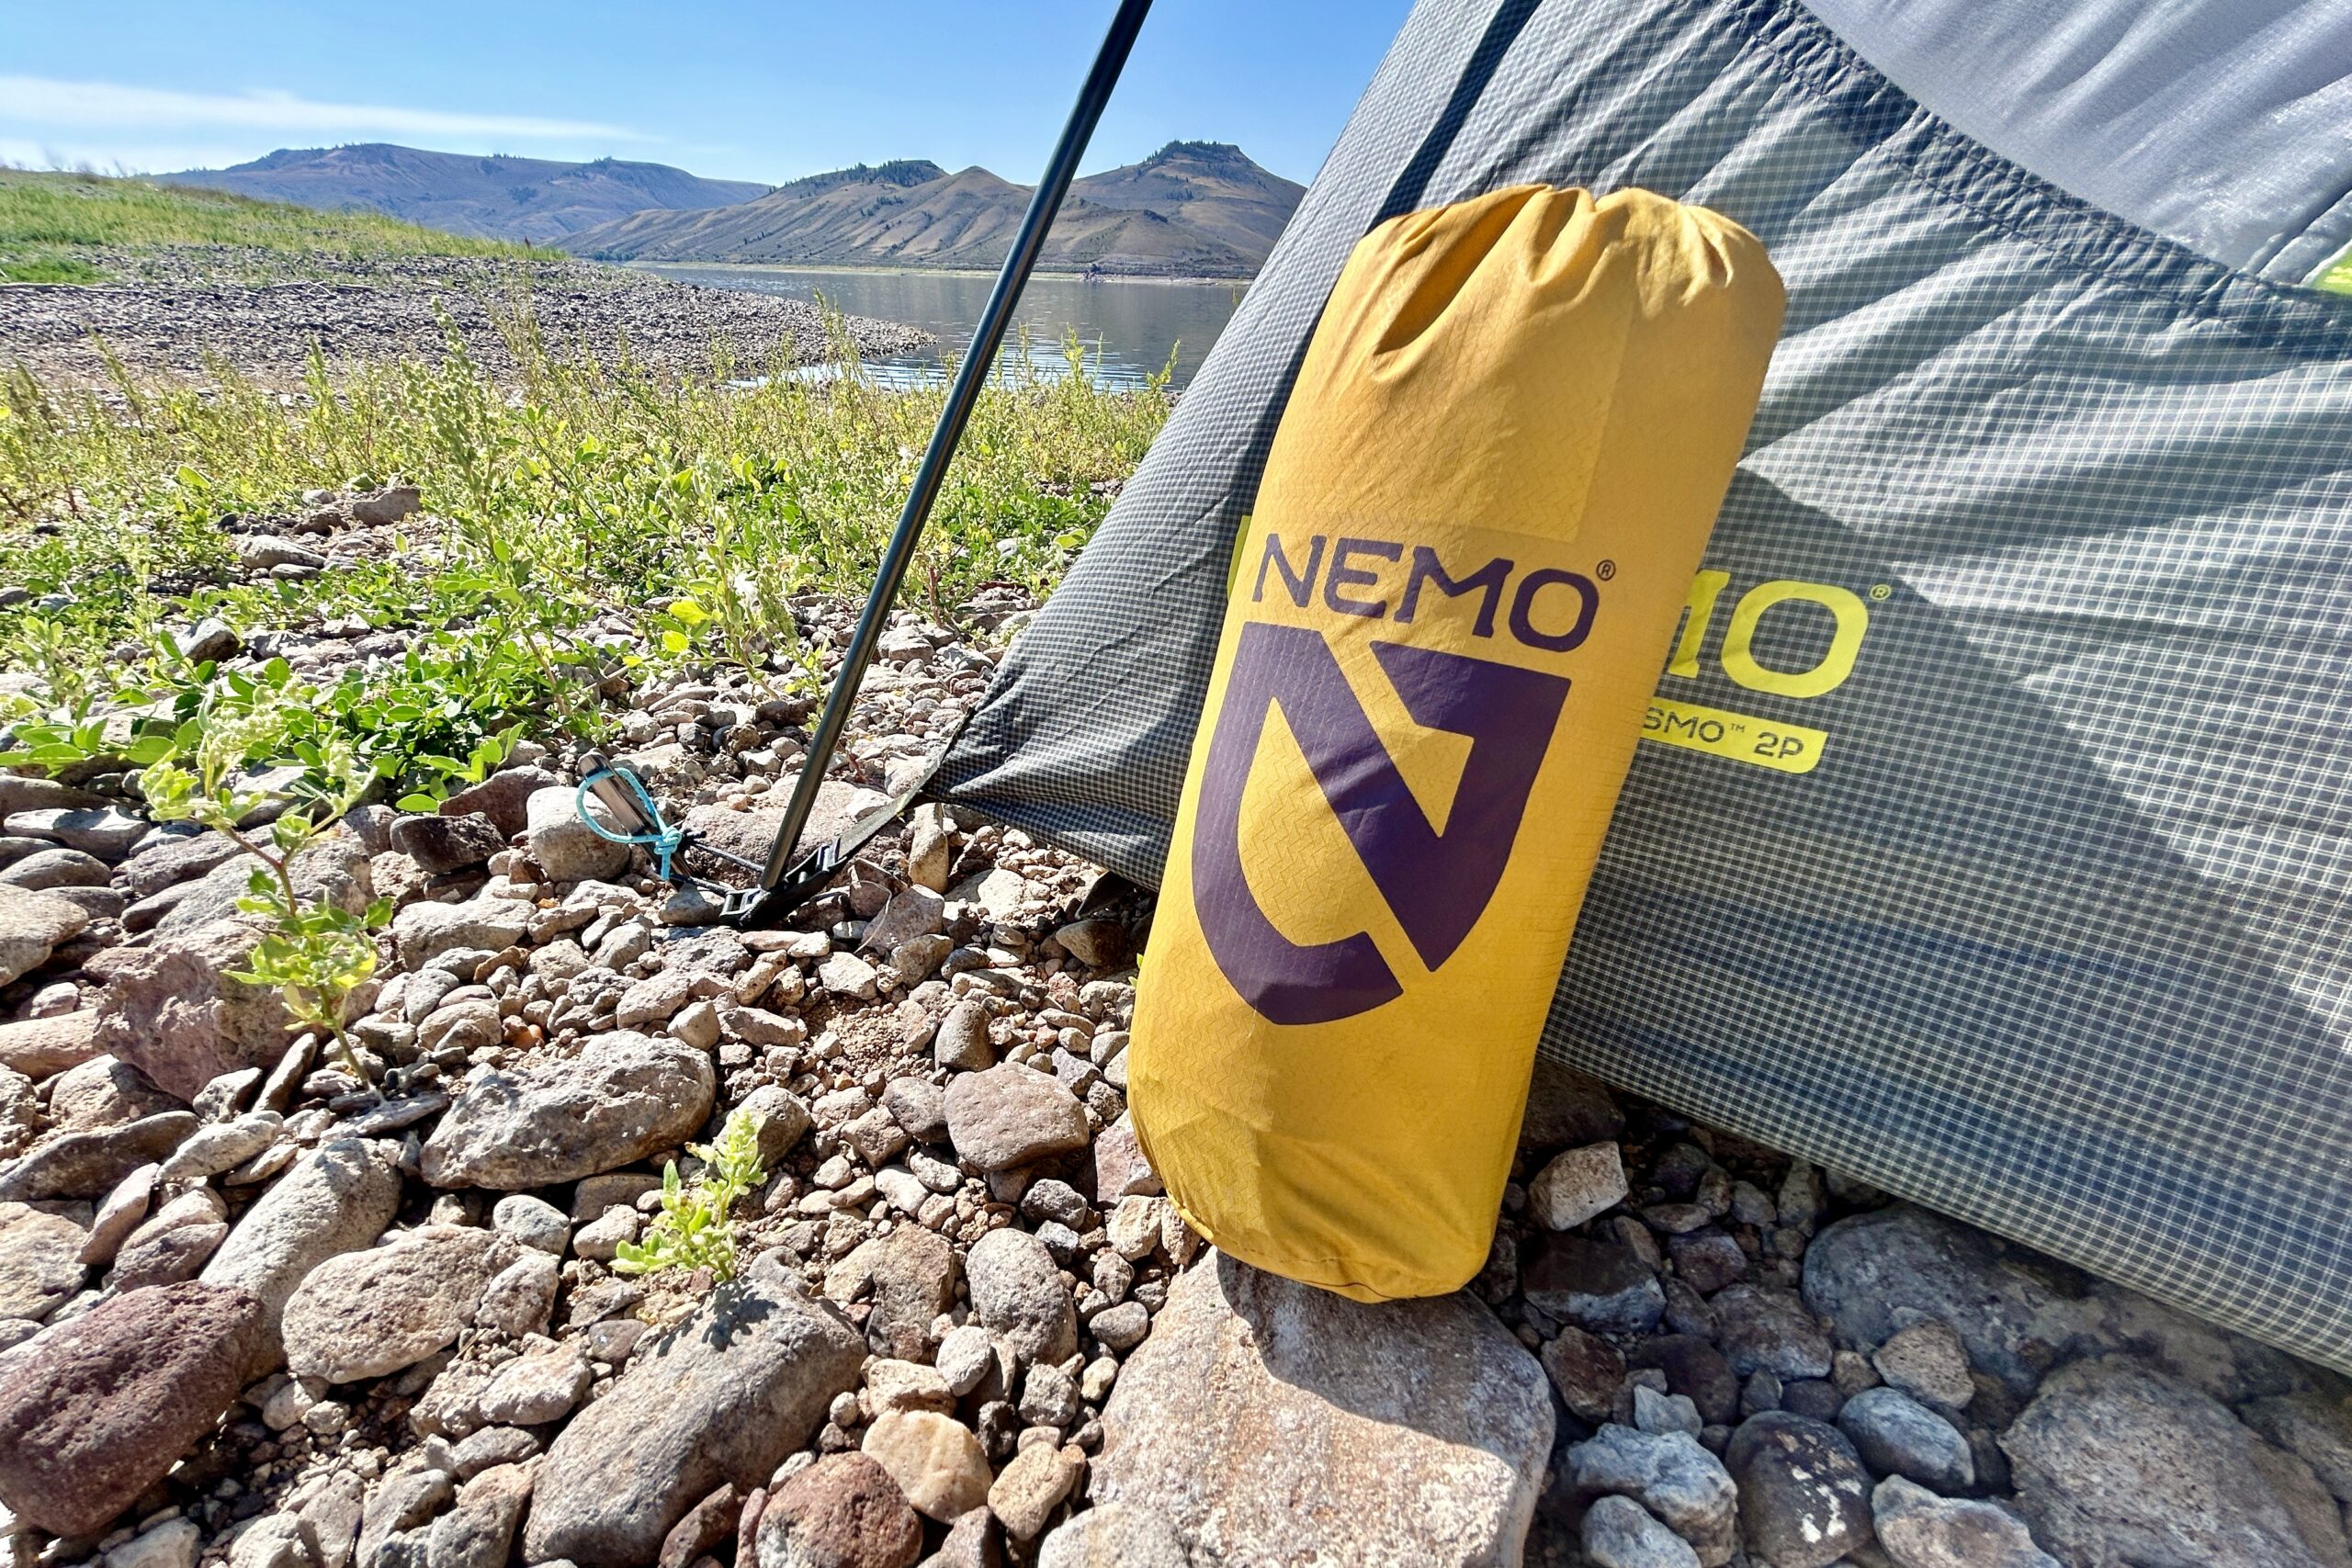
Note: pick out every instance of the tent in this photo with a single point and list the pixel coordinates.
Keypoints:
(1992, 845)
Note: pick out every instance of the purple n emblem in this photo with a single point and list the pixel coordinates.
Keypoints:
(1437, 884)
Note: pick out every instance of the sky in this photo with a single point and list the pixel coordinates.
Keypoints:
(762, 90)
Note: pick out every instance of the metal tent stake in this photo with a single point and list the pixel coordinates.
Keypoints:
(786, 883)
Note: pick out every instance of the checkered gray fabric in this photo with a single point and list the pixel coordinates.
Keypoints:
(2053, 936)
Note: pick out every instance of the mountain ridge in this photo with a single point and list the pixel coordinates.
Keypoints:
(1192, 208)
(499, 196)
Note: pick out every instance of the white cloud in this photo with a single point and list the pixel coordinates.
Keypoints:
(113, 107)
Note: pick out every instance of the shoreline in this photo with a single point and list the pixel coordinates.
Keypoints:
(658, 269)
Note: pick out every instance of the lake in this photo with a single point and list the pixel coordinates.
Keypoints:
(1129, 325)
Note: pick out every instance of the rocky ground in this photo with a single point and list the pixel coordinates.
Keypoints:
(261, 313)
(260, 1312)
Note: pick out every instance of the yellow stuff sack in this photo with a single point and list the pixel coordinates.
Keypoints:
(1478, 520)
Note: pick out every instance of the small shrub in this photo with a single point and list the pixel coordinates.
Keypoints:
(694, 1229)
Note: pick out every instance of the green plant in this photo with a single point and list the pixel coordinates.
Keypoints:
(693, 1230)
(315, 952)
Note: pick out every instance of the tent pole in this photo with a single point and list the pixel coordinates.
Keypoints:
(765, 905)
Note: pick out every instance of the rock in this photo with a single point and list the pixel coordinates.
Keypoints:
(1575, 1186)
(392, 504)
(1096, 942)
(1009, 1115)
(422, 932)
(1879, 1271)
(752, 834)
(178, 859)
(935, 1459)
(847, 975)
(1253, 1392)
(2315, 1428)
(603, 1238)
(98, 830)
(622, 1097)
(2116, 1462)
(1621, 1533)
(33, 925)
(441, 845)
(783, 1119)
(520, 1298)
(962, 1041)
(479, 1531)
(1121, 1169)
(403, 1501)
(503, 797)
(1803, 1499)
(105, 1093)
(843, 1511)
(1664, 1414)
(103, 1406)
(914, 1283)
(1670, 1475)
(167, 1259)
(1120, 1329)
(56, 870)
(1587, 1371)
(1929, 1362)
(568, 849)
(1566, 1108)
(1016, 1290)
(1026, 1495)
(273, 1541)
(260, 552)
(120, 1215)
(538, 1386)
(1599, 1286)
(1694, 1369)
(1896, 1435)
(532, 1222)
(725, 1395)
(964, 1358)
(911, 912)
(40, 1261)
(37, 1047)
(223, 1146)
(1762, 1330)
(705, 1528)
(332, 1199)
(367, 1315)
(333, 868)
(173, 1011)
(1919, 1530)
(172, 1545)
(85, 1165)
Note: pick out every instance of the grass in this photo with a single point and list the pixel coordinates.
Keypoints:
(51, 221)
(688, 510)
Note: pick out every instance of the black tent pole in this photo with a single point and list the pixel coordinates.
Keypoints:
(764, 904)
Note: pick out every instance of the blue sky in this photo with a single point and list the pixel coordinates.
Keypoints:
(744, 89)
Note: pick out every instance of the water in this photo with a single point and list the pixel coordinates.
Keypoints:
(1129, 326)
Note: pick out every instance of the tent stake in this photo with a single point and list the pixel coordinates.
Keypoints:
(785, 884)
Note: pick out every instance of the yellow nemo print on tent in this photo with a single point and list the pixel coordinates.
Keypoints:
(1450, 605)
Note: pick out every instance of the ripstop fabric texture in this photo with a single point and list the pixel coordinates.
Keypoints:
(1490, 489)
(2031, 587)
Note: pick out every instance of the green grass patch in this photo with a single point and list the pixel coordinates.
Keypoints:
(579, 497)
(50, 269)
(47, 218)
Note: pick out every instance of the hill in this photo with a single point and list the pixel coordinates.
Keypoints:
(73, 228)
(494, 198)
(1193, 209)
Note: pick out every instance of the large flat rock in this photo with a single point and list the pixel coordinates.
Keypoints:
(1271, 1422)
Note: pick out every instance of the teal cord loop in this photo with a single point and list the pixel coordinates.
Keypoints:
(664, 839)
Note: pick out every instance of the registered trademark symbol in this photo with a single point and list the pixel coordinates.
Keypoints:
(1605, 570)
(1881, 591)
